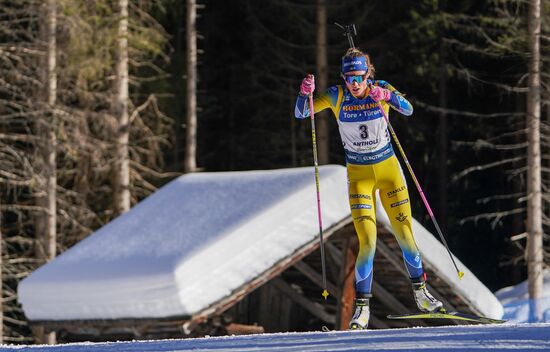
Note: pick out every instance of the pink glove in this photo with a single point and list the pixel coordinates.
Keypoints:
(378, 93)
(308, 85)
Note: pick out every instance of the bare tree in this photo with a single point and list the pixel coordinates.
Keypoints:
(190, 161)
(46, 229)
(122, 161)
(535, 258)
(23, 112)
(47, 247)
(504, 35)
(73, 127)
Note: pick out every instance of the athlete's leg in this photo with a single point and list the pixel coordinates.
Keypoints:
(395, 199)
(361, 199)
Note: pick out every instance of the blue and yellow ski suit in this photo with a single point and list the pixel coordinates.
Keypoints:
(371, 165)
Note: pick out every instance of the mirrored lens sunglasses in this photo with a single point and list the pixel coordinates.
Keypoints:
(358, 78)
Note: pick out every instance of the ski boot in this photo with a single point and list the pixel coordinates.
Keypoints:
(361, 316)
(424, 300)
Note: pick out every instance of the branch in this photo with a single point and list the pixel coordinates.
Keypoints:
(480, 144)
(498, 197)
(440, 110)
(495, 216)
(485, 167)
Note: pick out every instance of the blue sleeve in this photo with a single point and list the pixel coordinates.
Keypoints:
(397, 101)
(301, 109)
(324, 101)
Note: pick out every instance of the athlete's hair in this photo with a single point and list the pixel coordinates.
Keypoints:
(354, 52)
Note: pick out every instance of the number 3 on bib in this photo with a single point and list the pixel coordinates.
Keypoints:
(364, 132)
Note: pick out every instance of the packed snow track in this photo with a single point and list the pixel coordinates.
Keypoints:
(525, 337)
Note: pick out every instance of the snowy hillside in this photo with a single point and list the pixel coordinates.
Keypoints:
(515, 300)
(533, 337)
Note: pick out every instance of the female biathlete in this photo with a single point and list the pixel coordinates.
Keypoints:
(371, 165)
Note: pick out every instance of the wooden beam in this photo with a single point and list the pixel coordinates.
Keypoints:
(345, 307)
(387, 298)
(397, 263)
(316, 278)
(314, 308)
(237, 295)
(242, 329)
(334, 257)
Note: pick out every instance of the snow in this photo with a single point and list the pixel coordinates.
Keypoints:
(201, 237)
(531, 337)
(186, 246)
(516, 302)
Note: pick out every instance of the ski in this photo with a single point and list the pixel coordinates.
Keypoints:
(325, 328)
(447, 315)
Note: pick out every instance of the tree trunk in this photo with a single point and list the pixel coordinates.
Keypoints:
(322, 123)
(122, 163)
(293, 138)
(534, 197)
(1, 280)
(51, 238)
(443, 139)
(190, 161)
(47, 225)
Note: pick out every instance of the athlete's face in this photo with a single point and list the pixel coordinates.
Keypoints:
(356, 82)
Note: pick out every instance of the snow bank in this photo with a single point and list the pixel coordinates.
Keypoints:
(516, 302)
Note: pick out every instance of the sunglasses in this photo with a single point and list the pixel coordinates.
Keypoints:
(357, 78)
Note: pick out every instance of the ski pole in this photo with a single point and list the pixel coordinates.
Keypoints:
(430, 212)
(316, 163)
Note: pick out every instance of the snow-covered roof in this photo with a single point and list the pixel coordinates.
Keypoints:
(198, 239)
(186, 246)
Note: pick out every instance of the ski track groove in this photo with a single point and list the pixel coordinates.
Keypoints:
(532, 337)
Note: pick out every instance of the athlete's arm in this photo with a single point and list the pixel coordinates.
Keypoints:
(397, 101)
(326, 100)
